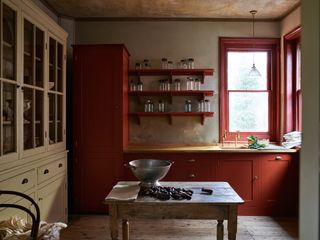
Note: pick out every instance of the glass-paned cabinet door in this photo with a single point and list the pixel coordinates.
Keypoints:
(33, 86)
(8, 81)
(56, 93)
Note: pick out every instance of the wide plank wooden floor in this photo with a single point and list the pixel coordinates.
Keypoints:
(96, 227)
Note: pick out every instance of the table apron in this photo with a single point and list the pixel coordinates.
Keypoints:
(188, 211)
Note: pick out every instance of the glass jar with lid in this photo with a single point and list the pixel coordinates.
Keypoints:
(187, 106)
(190, 63)
(207, 106)
(164, 63)
(177, 84)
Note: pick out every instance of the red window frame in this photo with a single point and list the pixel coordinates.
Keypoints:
(292, 87)
(272, 47)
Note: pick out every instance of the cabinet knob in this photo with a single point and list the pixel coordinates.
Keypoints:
(191, 160)
(25, 181)
(40, 199)
(60, 165)
(46, 171)
(278, 158)
(192, 175)
(255, 178)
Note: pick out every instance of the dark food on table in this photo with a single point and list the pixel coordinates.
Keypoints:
(166, 193)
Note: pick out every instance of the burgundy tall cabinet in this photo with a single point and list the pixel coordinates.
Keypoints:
(100, 122)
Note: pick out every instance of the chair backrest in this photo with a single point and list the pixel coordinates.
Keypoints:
(35, 217)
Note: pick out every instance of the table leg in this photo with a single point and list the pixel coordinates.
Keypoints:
(232, 222)
(220, 230)
(125, 229)
(113, 217)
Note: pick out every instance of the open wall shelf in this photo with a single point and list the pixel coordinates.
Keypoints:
(172, 72)
(170, 115)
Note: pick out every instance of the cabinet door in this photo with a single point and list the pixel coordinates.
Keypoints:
(279, 184)
(56, 91)
(52, 201)
(242, 175)
(33, 87)
(8, 81)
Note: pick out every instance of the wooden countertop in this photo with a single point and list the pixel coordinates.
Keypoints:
(202, 149)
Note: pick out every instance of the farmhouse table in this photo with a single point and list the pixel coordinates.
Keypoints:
(221, 205)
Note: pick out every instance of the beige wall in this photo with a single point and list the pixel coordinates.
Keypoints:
(174, 40)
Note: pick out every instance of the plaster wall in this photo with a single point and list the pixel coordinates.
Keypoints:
(174, 40)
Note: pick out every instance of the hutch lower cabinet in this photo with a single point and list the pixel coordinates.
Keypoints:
(100, 122)
(268, 182)
(33, 156)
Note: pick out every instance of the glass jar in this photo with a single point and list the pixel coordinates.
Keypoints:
(207, 106)
(164, 63)
(201, 106)
(184, 64)
(191, 63)
(177, 85)
(161, 106)
(147, 106)
(146, 64)
(197, 84)
(187, 106)
(139, 86)
(132, 86)
(138, 66)
(190, 83)
(170, 65)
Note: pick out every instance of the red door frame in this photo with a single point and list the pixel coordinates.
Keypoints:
(272, 46)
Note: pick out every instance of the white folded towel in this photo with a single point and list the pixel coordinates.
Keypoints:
(124, 191)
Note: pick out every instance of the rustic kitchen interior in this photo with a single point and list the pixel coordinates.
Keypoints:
(219, 90)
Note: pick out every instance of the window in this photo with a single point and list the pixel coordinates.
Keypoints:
(249, 104)
(292, 69)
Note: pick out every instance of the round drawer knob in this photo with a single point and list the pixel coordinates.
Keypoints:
(255, 178)
(278, 158)
(46, 171)
(25, 181)
(192, 175)
(60, 165)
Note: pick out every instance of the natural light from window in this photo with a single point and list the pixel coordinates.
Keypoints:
(248, 97)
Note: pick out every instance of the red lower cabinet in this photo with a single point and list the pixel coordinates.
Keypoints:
(279, 184)
(268, 182)
(242, 173)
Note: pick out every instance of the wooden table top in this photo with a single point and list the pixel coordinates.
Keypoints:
(222, 194)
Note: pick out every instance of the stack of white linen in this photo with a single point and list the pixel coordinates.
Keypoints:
(292, 139)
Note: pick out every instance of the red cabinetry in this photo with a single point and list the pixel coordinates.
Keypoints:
(100, 128)
(279, 184)
(242, 173)
(268, 182)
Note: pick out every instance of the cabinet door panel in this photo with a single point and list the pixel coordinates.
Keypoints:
(96, 174)
(242, 176)
(279, 184)
(52, 201)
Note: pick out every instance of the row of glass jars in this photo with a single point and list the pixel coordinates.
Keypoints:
(167, 64)
(203, 106)
(192, 84)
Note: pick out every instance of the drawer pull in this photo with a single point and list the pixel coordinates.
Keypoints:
(255, 178)
(40, 199)
(191, 160)
(278, 158)
(46, 171)
(192, 175)
(60, 165)
(25, 181)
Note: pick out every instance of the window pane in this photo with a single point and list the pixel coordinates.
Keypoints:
(248, 112)
(239, 65)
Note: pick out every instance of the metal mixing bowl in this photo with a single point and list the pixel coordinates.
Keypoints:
(149, 171)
